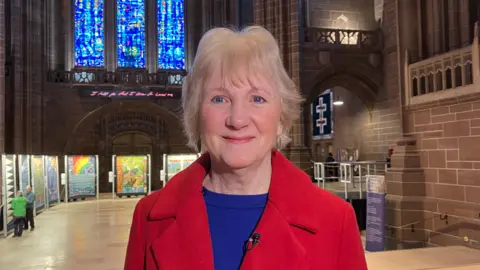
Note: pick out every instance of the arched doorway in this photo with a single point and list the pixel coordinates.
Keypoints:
(132, 143)
(350, 121)
(128, 128)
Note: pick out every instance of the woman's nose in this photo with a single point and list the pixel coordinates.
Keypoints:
(239, 116)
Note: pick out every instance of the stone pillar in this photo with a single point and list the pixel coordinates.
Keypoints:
(2, 88)
(437, 26)
(283, 21)
(430, 27)
(453, 41)
(17, 88)
(151, 37)
(110, 35)
(35, 75)
(408, 41)
(464, 28)
(406, 202)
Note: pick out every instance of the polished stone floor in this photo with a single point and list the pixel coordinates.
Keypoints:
(93, 235)
(84, 235)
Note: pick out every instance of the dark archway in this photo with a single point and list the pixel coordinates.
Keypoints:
(90, 119)
(363, 80)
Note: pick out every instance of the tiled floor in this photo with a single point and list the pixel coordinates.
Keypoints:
(93, 235)
(85, 235)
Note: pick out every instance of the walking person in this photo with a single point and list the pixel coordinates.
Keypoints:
(30, 196)
(19, 206)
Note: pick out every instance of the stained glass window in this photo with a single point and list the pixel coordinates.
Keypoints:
(171, 34)
(131, 43)
(89, 33)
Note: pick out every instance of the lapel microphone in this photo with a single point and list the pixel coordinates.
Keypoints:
(252, 241)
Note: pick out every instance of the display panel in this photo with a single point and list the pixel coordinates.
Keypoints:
(171, 34)
(89, 33)
(38, 181)
(176, 163)
(24, 171)
(131, 44)
(9, 189)
(82, 176)
(52, 179)
(131, 174)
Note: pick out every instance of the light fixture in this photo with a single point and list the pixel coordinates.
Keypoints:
(338, 103)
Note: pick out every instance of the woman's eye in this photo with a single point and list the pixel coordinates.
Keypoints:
(258, 99)
(218, 99)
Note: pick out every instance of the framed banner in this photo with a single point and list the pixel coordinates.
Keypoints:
(9, 176)
(375, 238)
(24, 172)
(53, 180)
(38, 182)
(322, 116)
(174, 163)
(82, 177)
(132, 175)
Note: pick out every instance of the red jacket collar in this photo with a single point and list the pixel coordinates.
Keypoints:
(290, 192)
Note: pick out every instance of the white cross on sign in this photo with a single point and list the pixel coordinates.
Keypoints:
(320, 109)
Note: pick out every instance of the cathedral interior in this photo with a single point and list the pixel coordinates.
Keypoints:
(389, 85)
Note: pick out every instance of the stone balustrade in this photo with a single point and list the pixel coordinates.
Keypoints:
(452, 74)
(325, 38)
(171, 79)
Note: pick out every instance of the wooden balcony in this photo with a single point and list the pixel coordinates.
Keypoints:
(338, 39)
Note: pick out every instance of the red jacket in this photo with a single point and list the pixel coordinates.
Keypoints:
(302, 227)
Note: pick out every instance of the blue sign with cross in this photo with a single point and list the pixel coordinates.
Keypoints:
(322, 116)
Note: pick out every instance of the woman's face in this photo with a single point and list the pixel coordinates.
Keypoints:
(239, 123)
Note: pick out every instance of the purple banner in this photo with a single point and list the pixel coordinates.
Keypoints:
(375, 240)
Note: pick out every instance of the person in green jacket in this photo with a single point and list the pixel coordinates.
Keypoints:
(19, 206)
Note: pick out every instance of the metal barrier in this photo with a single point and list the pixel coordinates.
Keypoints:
(353, 175)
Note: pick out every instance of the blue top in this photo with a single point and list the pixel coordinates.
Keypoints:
(232, 220)
(30, 196)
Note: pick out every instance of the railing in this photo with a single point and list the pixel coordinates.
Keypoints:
(319, 38)
(448, 226)
(351, 177)
(448, 75)
(123, 77)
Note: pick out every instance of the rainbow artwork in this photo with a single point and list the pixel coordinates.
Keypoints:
(81, 176)
(131, 174)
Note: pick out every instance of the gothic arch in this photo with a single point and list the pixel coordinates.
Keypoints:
(90, 119)
(363, 80)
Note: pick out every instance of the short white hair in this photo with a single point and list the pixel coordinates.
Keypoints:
(253, 50)
(19, 194)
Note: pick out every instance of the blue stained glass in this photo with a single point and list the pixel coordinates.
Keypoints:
(131, 44)
(171, 34)
(89, 33)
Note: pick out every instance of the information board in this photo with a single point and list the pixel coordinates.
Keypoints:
(375, 240)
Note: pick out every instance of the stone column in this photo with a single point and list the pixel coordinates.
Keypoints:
(17, 91)
(282, 19)
(151, 36)
(465, 31)
(2, 82)
(453, 41)
(406, 202)
(35, 67)
(110, 35)
(437, 26)
(430, 27)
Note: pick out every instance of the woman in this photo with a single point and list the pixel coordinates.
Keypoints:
(242, 204)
